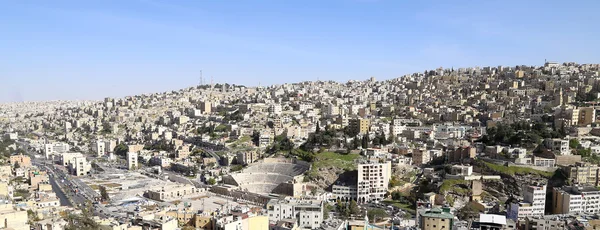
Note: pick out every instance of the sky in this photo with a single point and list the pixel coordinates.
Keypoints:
(88, 50)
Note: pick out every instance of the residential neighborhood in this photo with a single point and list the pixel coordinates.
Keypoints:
(496, 147)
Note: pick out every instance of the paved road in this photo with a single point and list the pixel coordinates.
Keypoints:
(70, 190)
(64, 201)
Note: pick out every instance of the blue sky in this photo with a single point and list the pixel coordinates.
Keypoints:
(93, 49)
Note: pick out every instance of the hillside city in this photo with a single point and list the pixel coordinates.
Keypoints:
(502, 147)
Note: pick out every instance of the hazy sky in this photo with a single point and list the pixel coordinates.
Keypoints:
(77, 49)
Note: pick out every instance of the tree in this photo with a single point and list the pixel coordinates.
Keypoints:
(354, 209)
(318, 129)
(365, 141)
(376, 214)
(106, 128)
(212, 181)
(574, 144)
(326, 211)
(104, 193)
(16, 165)
(121, 149)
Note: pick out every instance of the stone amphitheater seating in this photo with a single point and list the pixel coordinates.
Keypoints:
(265, 177)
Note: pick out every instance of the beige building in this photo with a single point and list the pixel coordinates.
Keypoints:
(132, 161)
(6, 190)
(11, 218)
(206, 107)
(22, 160)
(247, 157)
(587, 116)
(436, 219)
(373, 181)
(583, 173)
(360, 125)
(571, 199)
(135, 148)
(79, 166)
(420, 157)
(172, 192)
(37, 177)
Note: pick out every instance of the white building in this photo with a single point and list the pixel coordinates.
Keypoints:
(55, 148)
(572, 199)
(461, 170)
(558, 145)
(99, 147)
(373, 180)
(67, 158)
(79, 166)
(344, 192)
(397, 129)
(275, 109)
(309, 213)
(533, 204)
(132, 161)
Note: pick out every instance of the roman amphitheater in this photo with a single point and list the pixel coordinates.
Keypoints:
(271, 175)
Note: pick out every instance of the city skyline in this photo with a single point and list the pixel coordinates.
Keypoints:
(70, 50)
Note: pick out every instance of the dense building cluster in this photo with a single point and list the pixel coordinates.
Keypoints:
(483, 147)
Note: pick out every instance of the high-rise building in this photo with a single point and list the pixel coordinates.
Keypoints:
(373, 180)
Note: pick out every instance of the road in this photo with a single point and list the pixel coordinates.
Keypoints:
(64, 201)
(70, 190)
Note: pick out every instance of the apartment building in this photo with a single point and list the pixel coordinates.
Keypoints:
(533, 204)
(373, 180)
(344, 192)
(558, 145)
(436, 219)
(275, 109)
(98, 147)
(587, 116)
(359, 125)
(573, 199)
(55, 148)
(79, 166)
(308, 213)
(247, 157)
(22, 160)
(206, 107)
(67, 158)
(461, 153)
(583, 174)
(132, 160)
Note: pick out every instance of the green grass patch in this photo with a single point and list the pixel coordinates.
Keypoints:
(516, 170)
(403, 206)
(452, 185)
(331, 159)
